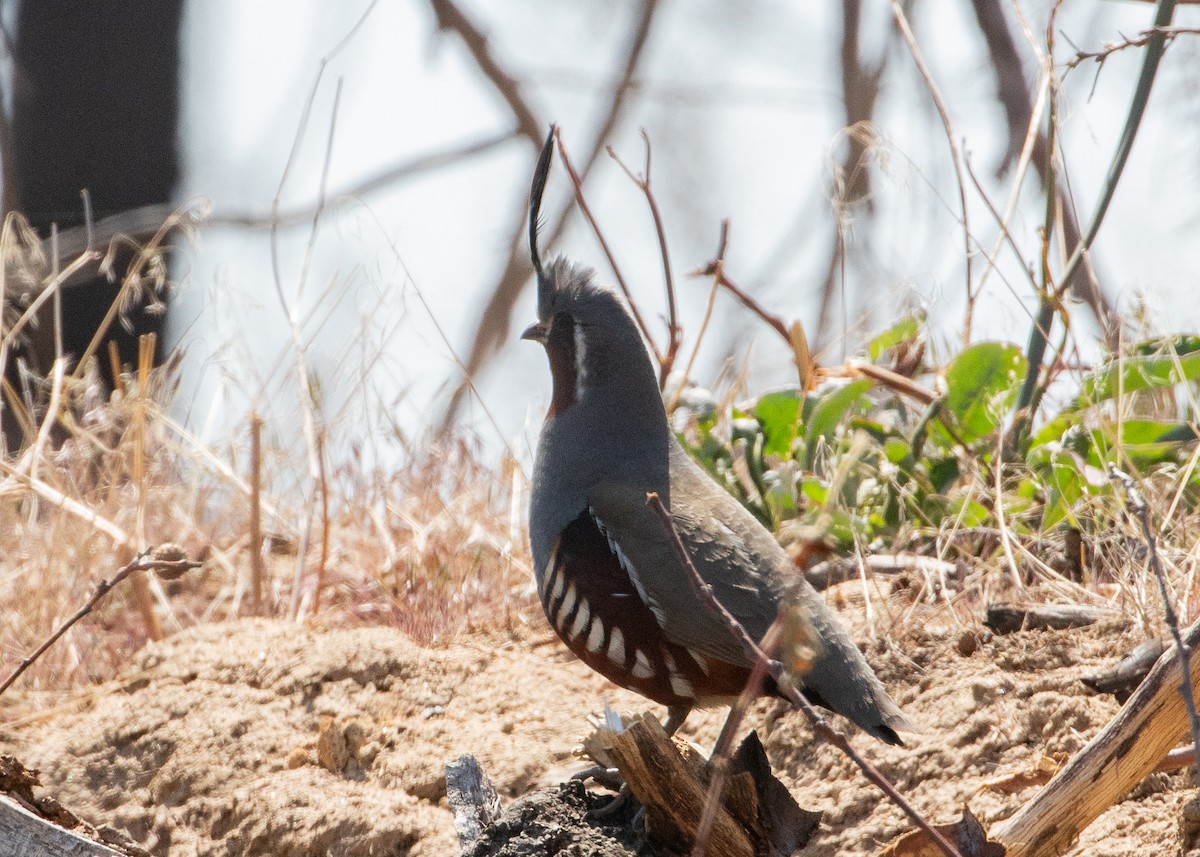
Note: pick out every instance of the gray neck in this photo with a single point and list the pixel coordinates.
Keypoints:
(613, 432)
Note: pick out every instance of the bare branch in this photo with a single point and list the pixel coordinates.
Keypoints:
(1019, 113)
(496, 318)
(145, 561)
(955, 158)
(674, 331)
(450, 17)
(581, 201)
(1169, 35)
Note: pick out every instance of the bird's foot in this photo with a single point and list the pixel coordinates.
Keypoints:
(610, 778)
(614, 807)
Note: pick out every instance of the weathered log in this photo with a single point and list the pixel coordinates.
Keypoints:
(671, 779)
(837, 570)
(670, 789)
(1010, 618)
(1132, 745)
(1122, 678)
(25, 834)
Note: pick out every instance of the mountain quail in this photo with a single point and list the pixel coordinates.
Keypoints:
(607, 576)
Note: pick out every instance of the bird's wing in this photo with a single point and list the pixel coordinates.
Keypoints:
(750, 575)
(731, 552)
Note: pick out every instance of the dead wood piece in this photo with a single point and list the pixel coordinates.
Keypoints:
(671, 790)
(787, 826)
(25, 834)
(33, 826)
(1122, 678)
(472, 798)
(1010, 618)
(1132, 745)
(967, 834)
(840, 569)
(757, 814)
(1180, 757)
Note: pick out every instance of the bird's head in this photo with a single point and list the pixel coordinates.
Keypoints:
(589, 335)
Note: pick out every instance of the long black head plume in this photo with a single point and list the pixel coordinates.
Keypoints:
(535, 207)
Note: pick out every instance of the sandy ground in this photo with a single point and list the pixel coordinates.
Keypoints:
(261, 737)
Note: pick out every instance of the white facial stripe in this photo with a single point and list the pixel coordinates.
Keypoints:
(580, 362)
(595, 640)
(616, 647)
(582, 617)
(641, 666)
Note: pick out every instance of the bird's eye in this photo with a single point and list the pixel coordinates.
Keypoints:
(562, 321)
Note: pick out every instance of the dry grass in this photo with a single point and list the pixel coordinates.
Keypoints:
(434, 548)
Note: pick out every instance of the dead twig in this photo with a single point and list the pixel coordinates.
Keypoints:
(674, 331)
(256, 535)
(1182, 651)
(324, 484)
(581, 201)
(1028, 144)
(893, 381)
(718, 265)
(716, 268)
(1169, 35)
(955, 157)
(144, 561)
(496, 318)
(776, 670)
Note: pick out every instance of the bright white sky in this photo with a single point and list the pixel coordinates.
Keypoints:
(743, 110)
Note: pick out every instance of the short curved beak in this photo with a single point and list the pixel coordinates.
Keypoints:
(536, 332)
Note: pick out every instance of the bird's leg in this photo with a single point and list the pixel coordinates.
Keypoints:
(676, 714)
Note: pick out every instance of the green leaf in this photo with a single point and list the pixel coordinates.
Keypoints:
(814, 490)
(1184, 343)
(1054, 430)
(981, 383)
(942, 473)
(779, 415)
(901, 331)
(968, 512)
(1139, 372)
(1143, 442)
(828, 413)
(896, 449)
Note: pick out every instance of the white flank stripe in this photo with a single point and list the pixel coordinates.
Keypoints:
(582, 617)
(616, 647)
(641, 666)
(681, 686)
(700, 660)
(595, 638)
(565, 610)
(559, 580)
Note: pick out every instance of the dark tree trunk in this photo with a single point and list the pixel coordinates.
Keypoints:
(95, 107)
